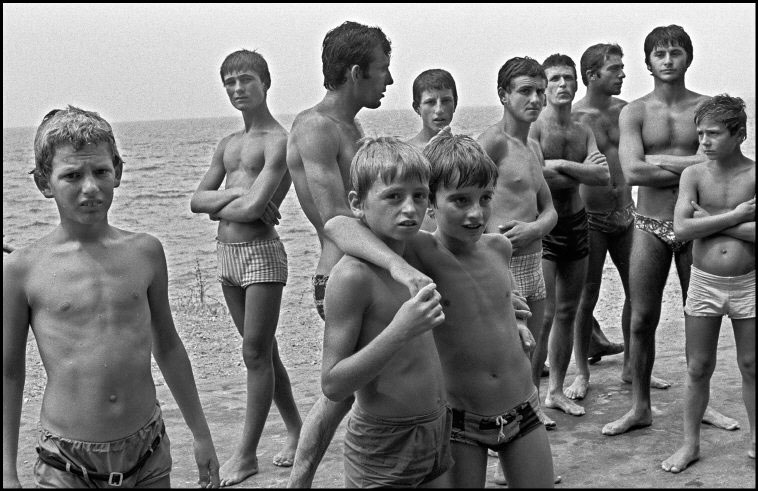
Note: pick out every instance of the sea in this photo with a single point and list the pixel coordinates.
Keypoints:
(164, 162)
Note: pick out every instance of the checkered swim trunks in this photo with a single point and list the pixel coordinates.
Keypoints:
(527, 271)
(244, 263)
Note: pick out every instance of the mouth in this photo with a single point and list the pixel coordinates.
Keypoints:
(473, 227)
(90, 203)
(408, 223)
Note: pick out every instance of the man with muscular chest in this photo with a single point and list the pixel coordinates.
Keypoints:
(571, 158)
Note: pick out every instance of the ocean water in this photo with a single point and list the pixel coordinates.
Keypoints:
(164, 162)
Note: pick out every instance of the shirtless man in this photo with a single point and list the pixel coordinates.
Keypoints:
(322, 143)
(522, 207)
(609, 207)
(571, 158)
(658, 141)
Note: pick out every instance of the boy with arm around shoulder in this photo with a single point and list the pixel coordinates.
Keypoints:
(96, 298)
(378, 342)
(716, 209)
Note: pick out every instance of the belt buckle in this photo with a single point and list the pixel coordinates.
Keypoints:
(115, 479)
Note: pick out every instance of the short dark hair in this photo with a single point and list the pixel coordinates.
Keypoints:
(595, 57)
(244, 59)
(558, 59)
(668, 36)
(386, 158)
(730, 111)
(458, 160)
(516, 67)
(349, 44)
(71, 126)
(433, 79)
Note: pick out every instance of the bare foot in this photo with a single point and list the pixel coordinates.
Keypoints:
(548, 423)
(286, 456)
(559, 401)
(715, 418)
(578, 389)
(655, 382)
(627, 422)
(237, 469)
(681, 459)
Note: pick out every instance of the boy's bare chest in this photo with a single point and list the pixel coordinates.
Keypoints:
(243, 156)
(518, 171)
(720, 192)
(563, 142)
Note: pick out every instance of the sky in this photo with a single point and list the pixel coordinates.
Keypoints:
(136, 62)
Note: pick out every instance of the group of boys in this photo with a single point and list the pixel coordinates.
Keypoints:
(448, 271)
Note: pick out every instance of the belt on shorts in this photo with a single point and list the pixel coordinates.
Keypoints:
(498, 422)
(113, 478)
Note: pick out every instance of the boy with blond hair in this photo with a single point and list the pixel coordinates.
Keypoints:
(716, 210)
(378, 342)
(96, 298)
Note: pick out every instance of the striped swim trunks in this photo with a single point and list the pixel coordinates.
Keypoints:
(527, 272)
(244, 263)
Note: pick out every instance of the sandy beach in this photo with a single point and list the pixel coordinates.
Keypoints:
(582, 455)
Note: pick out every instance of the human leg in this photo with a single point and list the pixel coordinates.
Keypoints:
(744, 336)
(262, 301)
(649, 265)
(528, 461)
(583, 323)
(620, 250)
(701, 340)
(285, 403)
(317, 432)
(470, 468)
(570, 275)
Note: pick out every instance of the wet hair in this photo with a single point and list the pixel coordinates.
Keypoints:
(558, 59)
(517, 67)
(668, 36)
(71, 126)
(349, 44)
(433, 79)
(458, 161)
(595, 57)
(244, 60)
(729, 111)
(386, 158)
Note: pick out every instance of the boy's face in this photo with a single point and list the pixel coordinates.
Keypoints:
(715, 139)
(245, 89)
(462, 213)
(525, 99)
(668, 63)
(394, 211)
(373, 83)
(82, 182)
(611, 75)
(436, 108)
(561, 85)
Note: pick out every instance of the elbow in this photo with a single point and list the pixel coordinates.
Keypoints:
(681, 232)
(331, 391)
(194, 205)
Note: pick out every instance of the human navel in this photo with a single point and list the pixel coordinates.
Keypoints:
(445, 302)
(65, 306)
(112, 397)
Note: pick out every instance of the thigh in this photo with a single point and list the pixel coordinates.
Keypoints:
(744, 339)
(528, 461)
(470, 467)
(235, 301)
(620, 250)
(549, 271)
(649, 267)
(683, 260)
(262, 302)
(599, 246)
(569, 282)
(701, 337)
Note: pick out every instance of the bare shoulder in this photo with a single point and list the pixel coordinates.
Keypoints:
(497, 244)
(351, 275)
(139, 243)
(309, 121)
(490, 136)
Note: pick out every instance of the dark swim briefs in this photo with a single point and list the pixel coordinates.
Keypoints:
(569, 239)
(614, 222)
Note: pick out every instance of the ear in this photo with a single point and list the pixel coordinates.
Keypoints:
(43, 185)
(589, 75)
(415, 107)
(119, 168)
(355, 204)
(355, 72)
(503, 95)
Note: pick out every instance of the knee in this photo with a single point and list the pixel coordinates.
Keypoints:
(700, 370)
(746, 363)
(255, 356)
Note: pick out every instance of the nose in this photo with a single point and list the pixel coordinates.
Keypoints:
(562, 82)
(89, 184)
(622, 74)
(409, 206)
(390, 81)
(475, 213)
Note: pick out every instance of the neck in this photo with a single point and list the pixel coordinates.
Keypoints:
(78, 232)
(732, 159)
(598, 99)
(560, 113)
(455, 246)
(258, 117)
(515, 127)
(670, 91)
(340, 104)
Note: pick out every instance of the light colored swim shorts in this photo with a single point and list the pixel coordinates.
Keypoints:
(711, 295)
(244, 263)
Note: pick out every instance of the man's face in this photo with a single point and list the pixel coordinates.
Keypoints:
(436, 108)
(462, 213)
(393, 211)
(715, 139)
(245, 89)
(525, 98)
(374, 82)
(611, 75)
(668, 63)
(561, 85)
(82, 182)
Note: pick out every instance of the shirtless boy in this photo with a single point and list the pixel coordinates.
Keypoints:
(487, 374)
(521, 206)
(609, 206)
(378, 340)
(96, 298)
(321, 145)
(252, 262)
(658, 141)
(716, 209)
(571, 158)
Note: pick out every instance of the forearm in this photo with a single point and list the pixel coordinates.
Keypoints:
(355, 239)
(687, 229)
(545, 222)
(12, 402)
(644, 174)
(585, 173)
(242, 210)
(177, 371)
(674, 163)
(744, 231)
(211, 201)
(555, 178)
